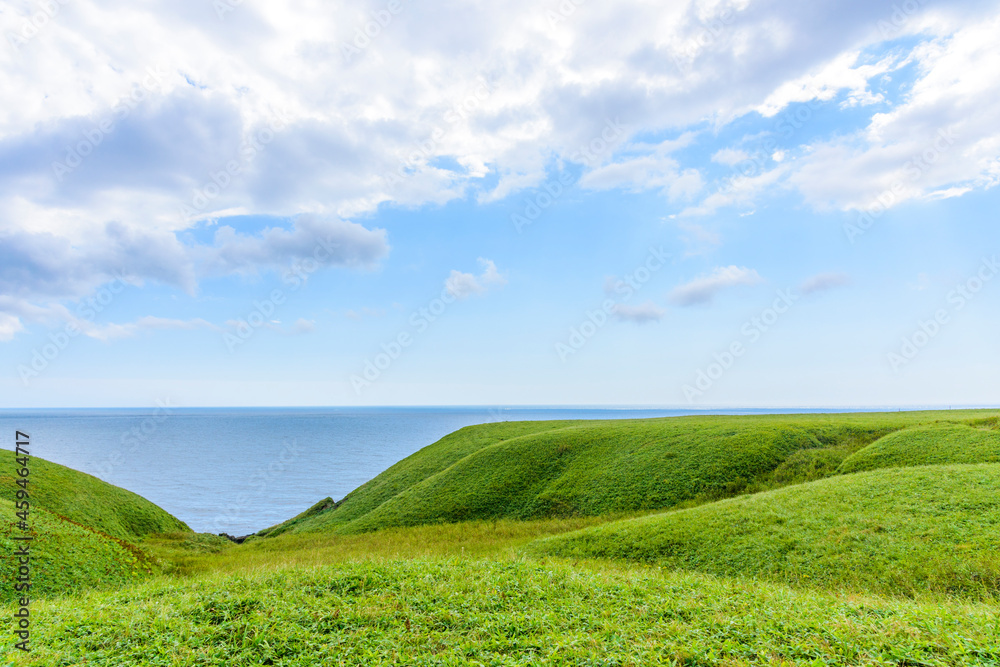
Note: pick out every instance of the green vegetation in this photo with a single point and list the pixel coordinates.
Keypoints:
(66, 556)
(977, 441)
(87, 500)
(896, 532)
(86, 531)
(200, 554)
(499, 612)
(693, 541)
(532, 470)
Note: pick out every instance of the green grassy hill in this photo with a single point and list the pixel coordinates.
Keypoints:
(86, 500)
(349, 582)
(66, 557)
(901, 531)
(526, 470)
(932, 444)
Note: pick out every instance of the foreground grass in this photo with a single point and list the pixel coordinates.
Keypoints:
(462, 611)
(912, 531)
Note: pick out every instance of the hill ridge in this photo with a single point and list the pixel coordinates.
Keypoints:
(608, 466)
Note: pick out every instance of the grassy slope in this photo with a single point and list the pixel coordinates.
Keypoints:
(498, 612)
(412, 470)
(526, 470)
(66, 556)
(931, 444)
(87, 500)
(901, 531)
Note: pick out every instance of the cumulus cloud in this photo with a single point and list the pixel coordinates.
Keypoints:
(646, 173)
(938, 141)
(703, 289)
(463, 285)
(327, 242)
(941, 142)
(640, 314)
(654, 170)
(45, 267)
(40, 272)
(165, 107)
(346, 124)
(824, 282)
(9, 325)
(843, 73)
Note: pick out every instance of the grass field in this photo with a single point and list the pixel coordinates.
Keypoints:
(932, 529)
(693, 541)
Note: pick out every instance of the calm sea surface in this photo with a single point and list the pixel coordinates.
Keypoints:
(238, 470)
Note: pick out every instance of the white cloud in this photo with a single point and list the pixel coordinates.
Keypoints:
(463, 285)
(49, 266)
(704, 289)
(9, 326)
(739, 190)
(640, 314)
(824, 282)
(106, 332)
(646, 173)
(330, 243)
(730, 156)
(842, 73)
(943, 141)
(346, 125)
(449, 98)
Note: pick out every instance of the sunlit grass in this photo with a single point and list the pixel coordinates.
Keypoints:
(931, 530)
(205, 553)
(499, 611)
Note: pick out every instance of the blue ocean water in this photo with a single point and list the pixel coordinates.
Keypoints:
(239, 470)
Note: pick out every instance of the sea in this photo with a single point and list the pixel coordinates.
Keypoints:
(240, 470)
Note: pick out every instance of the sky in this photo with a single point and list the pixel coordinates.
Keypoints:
(735, 203)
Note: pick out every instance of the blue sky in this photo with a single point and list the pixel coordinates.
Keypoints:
(722, 203)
